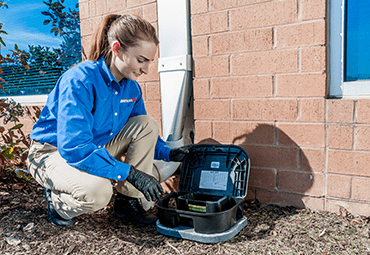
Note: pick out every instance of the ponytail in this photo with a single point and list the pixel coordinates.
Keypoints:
(126, 29)
(100, 44)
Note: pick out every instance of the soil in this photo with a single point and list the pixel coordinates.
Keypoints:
(270, 230)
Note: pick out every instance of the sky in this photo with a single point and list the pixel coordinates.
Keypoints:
(23, 22)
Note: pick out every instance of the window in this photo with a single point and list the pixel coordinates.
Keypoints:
(42, 41)
(349, 44)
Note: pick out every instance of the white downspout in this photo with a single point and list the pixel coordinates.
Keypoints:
(174, 67)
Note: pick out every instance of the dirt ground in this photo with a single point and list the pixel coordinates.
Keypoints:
(270, 230)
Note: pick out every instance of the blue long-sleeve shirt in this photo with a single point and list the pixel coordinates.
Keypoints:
(84, 111)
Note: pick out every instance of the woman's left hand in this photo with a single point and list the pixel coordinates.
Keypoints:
(178, 154)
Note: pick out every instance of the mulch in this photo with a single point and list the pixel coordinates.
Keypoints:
(271, 230)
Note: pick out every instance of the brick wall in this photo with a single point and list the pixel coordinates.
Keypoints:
(260, 83)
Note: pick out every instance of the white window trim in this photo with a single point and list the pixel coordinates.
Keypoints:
(29, 100)
(337, 87)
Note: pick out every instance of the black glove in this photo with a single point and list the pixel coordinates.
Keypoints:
(146, 183)
(178, 154)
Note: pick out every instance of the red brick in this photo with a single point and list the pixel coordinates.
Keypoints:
(101, 7)
(303, 34)
(134, 11)
(251, 195)
(312, 110)
(153, 109)
(338, 186)
(297, 85)
(313, 160)
(198, 6)
(201, 89)
(265, 109)
(242, 87)
(132, 3)
(340, 137)
(222, 131)
(85, 43)
(289, 199)
(200, 46)
(153, 91)
(209, 23)
(360, 188)
(203, 130)
(220, 5)
(312, 135)
(92, 8)
(272, 156)
(340, 111)
(349, 162)
(115, 6)
(313, 9)
(150, 12)
(243, 41)
(240, 132)
(282, 61)
(84, 10)
(211, 109)
(86, 28)
(263, 15)
(95, 23)
(262, 178)
(211, 66)
(353, 208)
(362, 138)
(300, 182)
(363, 111)
(313, 59)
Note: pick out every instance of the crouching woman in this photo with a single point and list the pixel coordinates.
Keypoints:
(93, 119)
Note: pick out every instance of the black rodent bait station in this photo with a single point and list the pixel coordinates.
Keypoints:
(209, 206)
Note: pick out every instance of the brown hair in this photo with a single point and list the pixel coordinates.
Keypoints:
(126, 29)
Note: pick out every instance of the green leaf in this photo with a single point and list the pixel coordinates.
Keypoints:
(46, 21)
(16, 127)
(2, 42)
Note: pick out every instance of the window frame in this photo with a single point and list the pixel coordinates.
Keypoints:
(338, 88)
(29, 100)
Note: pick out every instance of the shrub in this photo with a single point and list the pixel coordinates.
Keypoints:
(15, 146)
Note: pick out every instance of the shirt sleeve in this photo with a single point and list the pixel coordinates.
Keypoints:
(74, 133)
(162, 151)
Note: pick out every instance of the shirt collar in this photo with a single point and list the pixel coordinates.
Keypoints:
(105, 72)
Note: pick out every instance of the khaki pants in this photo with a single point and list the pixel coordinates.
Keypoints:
(74, 191)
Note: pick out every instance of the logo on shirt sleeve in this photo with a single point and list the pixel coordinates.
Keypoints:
(128, 100)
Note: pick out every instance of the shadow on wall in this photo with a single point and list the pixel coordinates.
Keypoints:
(280, 171)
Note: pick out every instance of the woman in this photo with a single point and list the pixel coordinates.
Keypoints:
(94, 118)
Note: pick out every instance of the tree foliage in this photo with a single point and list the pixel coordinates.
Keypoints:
(65, 23)
(14, 149)
(41, 60)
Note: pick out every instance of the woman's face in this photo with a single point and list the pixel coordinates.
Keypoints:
(133, 62)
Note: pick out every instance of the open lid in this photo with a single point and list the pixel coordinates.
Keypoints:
(221, 170)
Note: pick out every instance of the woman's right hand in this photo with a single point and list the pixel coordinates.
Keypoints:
(146, 183)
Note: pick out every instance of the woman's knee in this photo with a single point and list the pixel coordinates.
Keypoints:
(99, 192)
(149, 123)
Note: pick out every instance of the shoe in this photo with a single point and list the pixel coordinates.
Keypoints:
(53, 217)
(130, 208)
